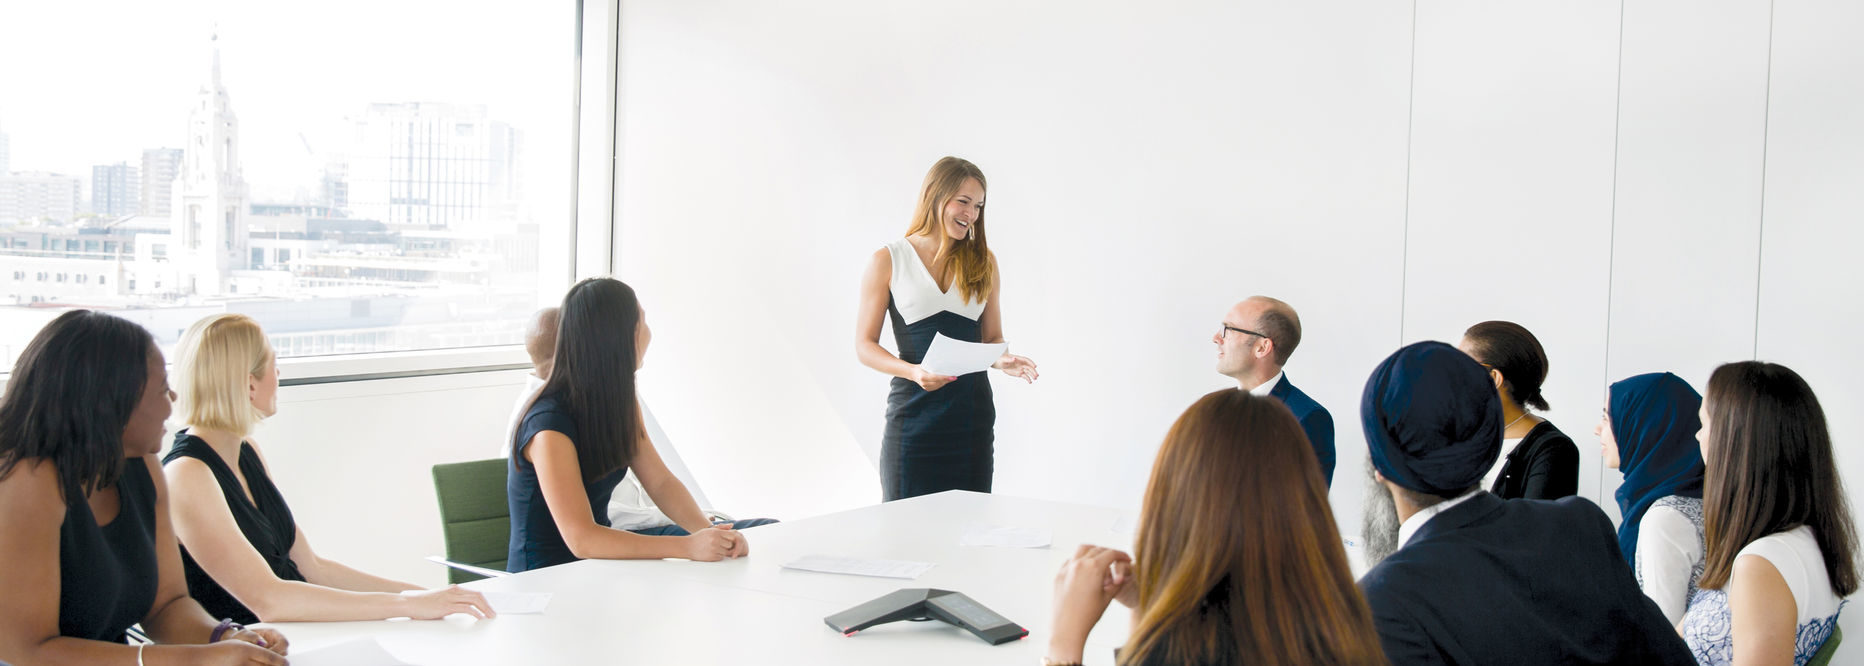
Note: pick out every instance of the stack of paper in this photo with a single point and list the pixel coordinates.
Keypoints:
(859, 567)
(951, 357)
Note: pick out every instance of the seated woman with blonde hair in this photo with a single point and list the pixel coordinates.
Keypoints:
(1238, 560)
(245, 555)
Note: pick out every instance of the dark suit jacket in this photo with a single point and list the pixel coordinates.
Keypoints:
(1545, 465)
(1517, 582)
(1315, 421)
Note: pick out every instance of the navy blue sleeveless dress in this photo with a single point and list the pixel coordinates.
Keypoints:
(535, 541)
(107, 573)
(934, 440)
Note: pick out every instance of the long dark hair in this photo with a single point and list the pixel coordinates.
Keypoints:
(1238, 560)
(1770, 469)
(593, 372)
(1510, 348)
(71, 394)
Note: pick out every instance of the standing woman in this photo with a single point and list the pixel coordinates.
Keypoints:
(940, 279)
(1538, 461)
(84, 528)
(245, 555)
(1648, 432)
(1238, 560)
(1781, 545)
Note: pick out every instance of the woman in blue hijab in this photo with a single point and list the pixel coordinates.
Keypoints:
(1648, 432)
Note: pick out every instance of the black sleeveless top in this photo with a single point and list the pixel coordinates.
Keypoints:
(535, 540)
(264, 520)
(107, 573)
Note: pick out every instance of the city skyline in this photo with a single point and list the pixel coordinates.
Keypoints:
(298, 89)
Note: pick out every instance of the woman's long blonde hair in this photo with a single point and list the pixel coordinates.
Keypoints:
(1238, 560)
(968, 258)
(218, 358)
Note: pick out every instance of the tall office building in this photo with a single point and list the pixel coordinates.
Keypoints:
(159, 168)
(115, 190)
(208, 210)
(38, 197)
(6, 155)
(433, 166)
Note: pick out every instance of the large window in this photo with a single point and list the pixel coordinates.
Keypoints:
(357, 175)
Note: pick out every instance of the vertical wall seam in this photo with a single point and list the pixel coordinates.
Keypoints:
(1760, 232)
(1611, 241)
(1410, 123)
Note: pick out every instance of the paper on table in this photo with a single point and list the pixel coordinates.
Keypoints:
(978, 534)
(517, 603)
(859, 567)
(951, 357)
(359, 652)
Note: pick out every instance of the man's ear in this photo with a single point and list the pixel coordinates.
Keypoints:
(1265, 348)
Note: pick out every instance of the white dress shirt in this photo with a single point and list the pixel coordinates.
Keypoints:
(1265, 387)
(1411, 525)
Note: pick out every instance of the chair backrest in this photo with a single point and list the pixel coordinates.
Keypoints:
(474, 518)
(1824, 655)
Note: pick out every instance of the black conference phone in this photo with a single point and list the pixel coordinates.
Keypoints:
(921, 603)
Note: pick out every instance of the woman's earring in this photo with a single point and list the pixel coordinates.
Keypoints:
(971, 232)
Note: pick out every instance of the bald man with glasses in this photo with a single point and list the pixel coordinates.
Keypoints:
(1258, 336)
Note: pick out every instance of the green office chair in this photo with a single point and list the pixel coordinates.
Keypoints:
(1824, 655)
(474, 518)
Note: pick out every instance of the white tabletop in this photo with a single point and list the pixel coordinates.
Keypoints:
(753, 611)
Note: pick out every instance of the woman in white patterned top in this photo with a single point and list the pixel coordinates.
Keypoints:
(1648, 432)
(1780, 543)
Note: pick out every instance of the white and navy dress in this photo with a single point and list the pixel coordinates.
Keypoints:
(1708, 626)
(935, 440)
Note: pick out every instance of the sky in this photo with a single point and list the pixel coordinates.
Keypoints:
(91, 83)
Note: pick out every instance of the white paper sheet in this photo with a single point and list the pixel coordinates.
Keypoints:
(358, 652)
(859, 567)
(951, 357)
(1125, 524)
(979, 534)
(517, 603)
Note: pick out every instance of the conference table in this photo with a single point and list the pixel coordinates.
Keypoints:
(753, 611)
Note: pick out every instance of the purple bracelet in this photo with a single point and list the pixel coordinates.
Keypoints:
(220, 630)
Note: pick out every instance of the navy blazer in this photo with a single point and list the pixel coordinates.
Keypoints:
(1315, 421)
(1494, 581)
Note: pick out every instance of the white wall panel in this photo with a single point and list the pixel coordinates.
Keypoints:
(1692, 117)
(1511, 186)
(355, 461)
(1811, 282)
(1148, 168)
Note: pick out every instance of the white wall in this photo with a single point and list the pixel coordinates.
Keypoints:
(355, 460)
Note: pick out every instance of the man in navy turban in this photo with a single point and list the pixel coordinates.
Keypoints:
(1473, 578)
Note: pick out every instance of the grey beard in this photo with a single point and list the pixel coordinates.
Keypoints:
(1379, 526)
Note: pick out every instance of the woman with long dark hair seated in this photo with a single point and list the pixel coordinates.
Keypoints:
(1780, 543)
(583, 433)
(1237, 561)
(84, 527)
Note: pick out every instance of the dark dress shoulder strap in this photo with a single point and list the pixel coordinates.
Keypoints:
(264, 520)
(107, 573)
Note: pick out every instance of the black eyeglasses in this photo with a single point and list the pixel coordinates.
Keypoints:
(1225, 333)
